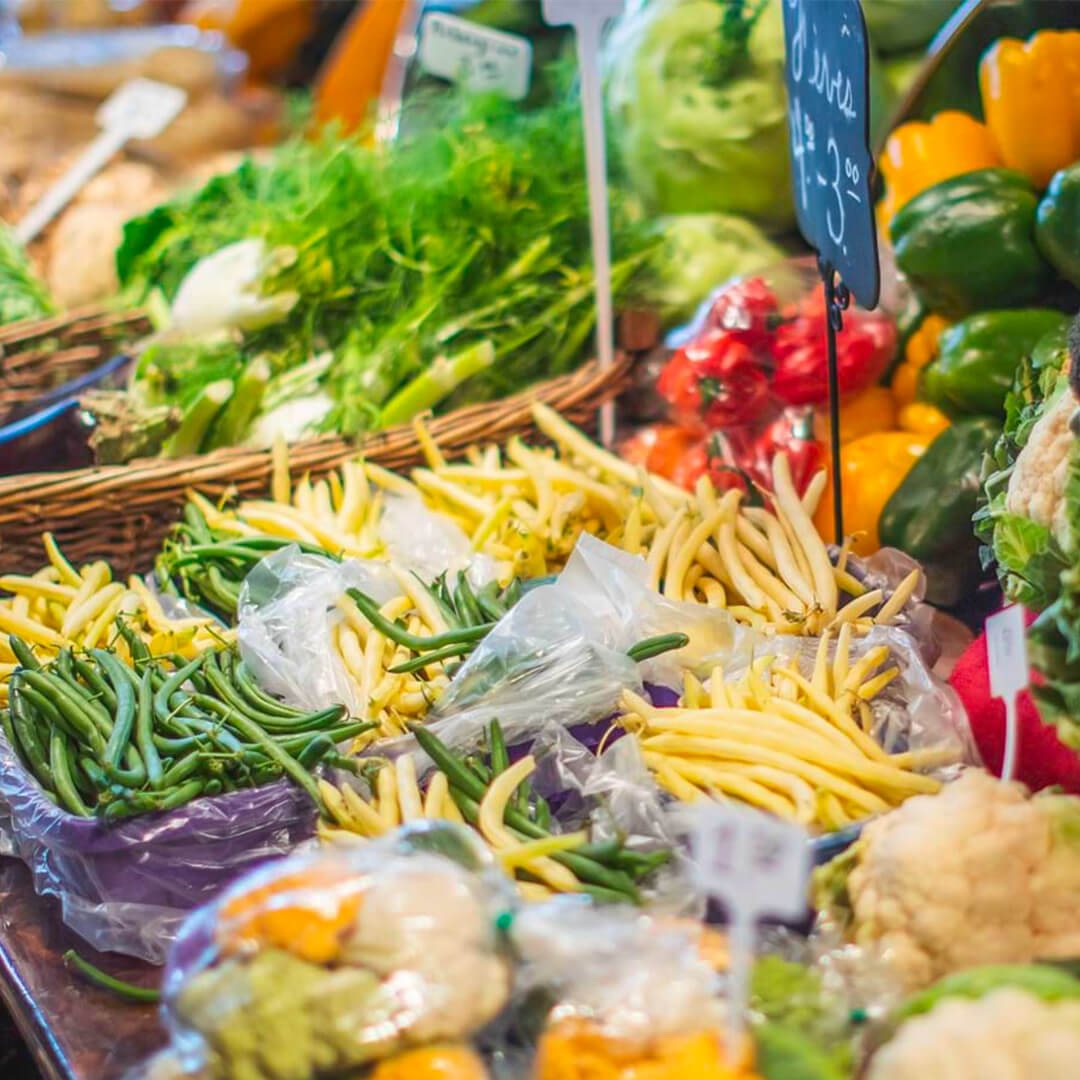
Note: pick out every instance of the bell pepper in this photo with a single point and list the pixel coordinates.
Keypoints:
(1031, 100)
(918, 155)
(968, 244)
(922, 418)
(978, 357)
(929, 513)
(865, 346)
(872, 468)
(873, 409)
(921, 348)
(1057, 224)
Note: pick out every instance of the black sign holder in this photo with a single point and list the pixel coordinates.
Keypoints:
(827, 72)
(837, 300)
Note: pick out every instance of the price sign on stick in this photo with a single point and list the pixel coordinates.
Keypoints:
(588, 17)
(756, 865)
(827, 71)
(1006, 650)
(140, 109)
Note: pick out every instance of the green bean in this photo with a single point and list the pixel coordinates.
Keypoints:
(48, 712)
(91, 706)
(654, 646)
(197, 524)
(542, 814)
(140, 654)
(338, 734)
(467, 601)
(478, 768)
(216, 731)
(173, 683)
(107, 982)
(343, 762)
(255, 734)
(8, 726)
(500, 759)
(70, 799)
(144, 734)
(456, 772)
(489, 603)
(640, 864)
(512, 593)
(246, 684)
(94, 679)
(95, 774)
(26, 733)
(124, 705)
(433, 657)
(603, 851)
(70, 707)
(82, 783)
(398, 634)
(316, 749)
(23, 653)
(440, 598)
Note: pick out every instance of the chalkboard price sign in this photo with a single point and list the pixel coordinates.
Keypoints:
(827, 70)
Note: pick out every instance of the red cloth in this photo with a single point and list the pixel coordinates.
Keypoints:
(1041, 758)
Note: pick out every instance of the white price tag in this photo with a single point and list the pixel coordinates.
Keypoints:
(481, 59)
(142, 108)
(1006, 650)
(757, 865)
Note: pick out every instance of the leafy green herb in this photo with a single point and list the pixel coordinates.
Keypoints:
(452, 267)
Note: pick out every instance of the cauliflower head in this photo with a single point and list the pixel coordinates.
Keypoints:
(977, 874)
(1006, 1035)
(1037, 484)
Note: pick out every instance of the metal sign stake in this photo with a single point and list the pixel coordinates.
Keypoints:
(837, 299)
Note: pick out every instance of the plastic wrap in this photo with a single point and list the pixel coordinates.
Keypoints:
(286, 620)
(748, 378)
(127, 887)
(560, 655)
(328, 962)
(623, 991)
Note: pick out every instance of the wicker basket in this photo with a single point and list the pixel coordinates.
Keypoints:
(37, 355)
(122, 512)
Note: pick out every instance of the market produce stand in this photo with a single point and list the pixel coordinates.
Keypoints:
(73, 1030)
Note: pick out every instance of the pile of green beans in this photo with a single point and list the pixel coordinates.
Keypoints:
(208, 566)
(607, 871)
(471, 616)
(108, 739)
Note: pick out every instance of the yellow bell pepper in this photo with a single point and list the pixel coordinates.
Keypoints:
(580, 1050)
(921, 348)
(1031, 100)
(918, 155)
(922, 418)
(448, 1062)
(872, 409)
(307, 913)
(871, 470)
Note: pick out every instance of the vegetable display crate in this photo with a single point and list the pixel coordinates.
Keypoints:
(125, 510)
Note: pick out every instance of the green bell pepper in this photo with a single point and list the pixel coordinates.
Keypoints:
(968, 243)
(929, 514)
(1057, 223)
(978, 357)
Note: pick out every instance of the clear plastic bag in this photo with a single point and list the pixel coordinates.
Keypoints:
(286, 619)
(127, 887)
(325, 963)
(560, 655)
(622, 988)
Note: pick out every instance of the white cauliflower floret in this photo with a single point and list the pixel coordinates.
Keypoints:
(424, 926)
(1006, 1035)
(977, 874)
(1037, 484)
